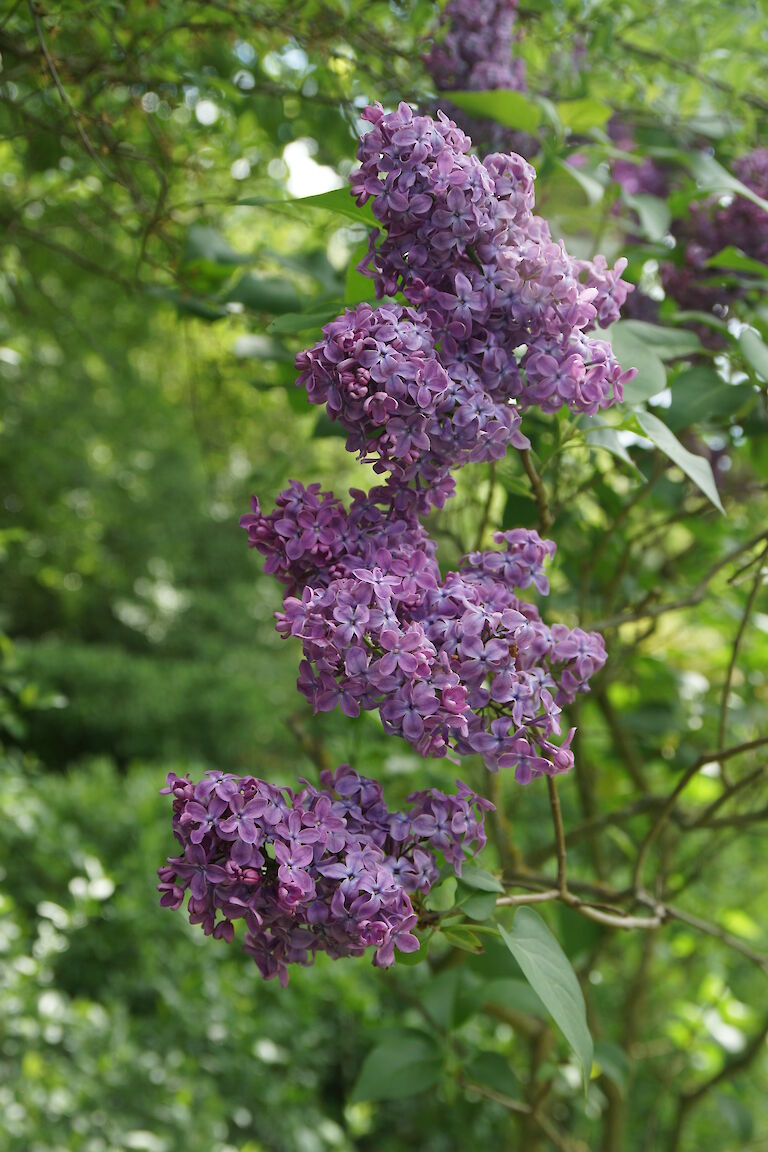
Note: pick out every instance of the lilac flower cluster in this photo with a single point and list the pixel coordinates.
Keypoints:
(310, 539)
(708, 228)
(500, 316)
(327, 869)
(378, 374)
(474, 52)
(636, 176)
(456, 665)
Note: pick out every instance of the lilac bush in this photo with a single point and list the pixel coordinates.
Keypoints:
(327, 869)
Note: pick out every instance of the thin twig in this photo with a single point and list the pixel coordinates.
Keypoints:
(52, 69)
(723, 720)
(557, 822)
(540, 495)
(486, 506)
(695, 597)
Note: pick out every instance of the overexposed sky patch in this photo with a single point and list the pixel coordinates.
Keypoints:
(305, 176)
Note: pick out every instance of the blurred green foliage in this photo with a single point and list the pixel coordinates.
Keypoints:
(143, 400)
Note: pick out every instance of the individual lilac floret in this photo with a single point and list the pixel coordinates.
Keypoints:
(511, 313)
(458, 665)
(327, 869)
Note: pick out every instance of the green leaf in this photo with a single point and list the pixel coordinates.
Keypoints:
(400, 1066)
(653, 213)
(338, 200)
(358, 287)
(695, 467)
(548, 970)
(734, 258)
(462, 937)
(612, 1062)
(492, 1070)
(264, 294)
(667, 343)
(592, 188)
(477, 905)
(700, 393)
(442, 897)
(517, 995)
(633, 352)
(714, 178)
(754, 351)
(477, 878)
(512, 109)
(581, 115)
(608, 439)
(299, 322)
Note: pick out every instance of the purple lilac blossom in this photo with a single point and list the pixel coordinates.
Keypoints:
(458, 665)
(708, 228)
(326, 869)
(511, 313)
(637, 176)
(473, 53)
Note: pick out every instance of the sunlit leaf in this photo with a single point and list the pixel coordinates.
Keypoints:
(592, 188)
(714, 178)
(503, 105)
(734, 258)
(696, 468)
(634, 352)
(581, 115)
(755, 351)
(653, 213)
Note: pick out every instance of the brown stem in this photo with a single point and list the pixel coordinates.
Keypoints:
(539, 492)
(756, 583)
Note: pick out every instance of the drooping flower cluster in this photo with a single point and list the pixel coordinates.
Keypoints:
(500, 316)
(456, 665)
(474, 53)
(310, 539)
(498, 319)
(326, 869)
